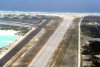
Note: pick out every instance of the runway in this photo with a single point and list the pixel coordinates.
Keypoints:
(17, 48)
(47, 51)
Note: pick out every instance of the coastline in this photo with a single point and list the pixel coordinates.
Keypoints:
(9, 37)
(60, 13)
(63, 15)
(6, 48)
(8, 32)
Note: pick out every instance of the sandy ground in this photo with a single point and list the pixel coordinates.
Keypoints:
(8, 32)
(12, 32)
(49, 14)
(5, 49)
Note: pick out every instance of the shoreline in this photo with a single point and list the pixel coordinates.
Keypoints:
(60, 13)
(8, 33)
(6, 48)
(64, 15)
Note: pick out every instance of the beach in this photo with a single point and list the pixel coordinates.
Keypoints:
(66, 14)
(11, 33)
(7, 37)
(8, 32)
(63, 15)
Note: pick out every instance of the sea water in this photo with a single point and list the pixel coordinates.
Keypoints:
(62, 6)
(47, 6)
(6, 40)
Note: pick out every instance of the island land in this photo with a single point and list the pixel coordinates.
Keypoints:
(46, 40)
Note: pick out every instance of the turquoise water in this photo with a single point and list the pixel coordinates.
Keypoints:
(6, 40)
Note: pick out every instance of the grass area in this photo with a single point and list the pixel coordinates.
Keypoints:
(70, 39)
(25, 20)
(90, 30)
(41, 42)
(33, 50)
(21, 30)
(76, 20)
(27, 58)
(36, 48)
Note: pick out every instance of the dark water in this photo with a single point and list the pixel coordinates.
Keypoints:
(74, 6)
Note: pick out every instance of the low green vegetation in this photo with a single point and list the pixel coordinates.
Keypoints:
(35, 46)
(21, 30)
(76, 20)
(90, 30)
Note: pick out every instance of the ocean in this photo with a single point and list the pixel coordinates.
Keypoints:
(60, 6)
(46, 6)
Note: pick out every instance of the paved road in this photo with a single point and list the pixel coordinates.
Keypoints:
(11, 53)
(45, 54)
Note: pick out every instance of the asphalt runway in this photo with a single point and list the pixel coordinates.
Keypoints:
(18, 47)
